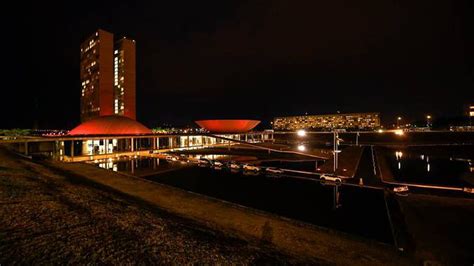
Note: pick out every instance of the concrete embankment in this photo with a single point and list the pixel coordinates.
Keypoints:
(289, 236)
(49, 216)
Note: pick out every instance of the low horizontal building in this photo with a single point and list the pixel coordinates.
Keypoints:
(363, 121)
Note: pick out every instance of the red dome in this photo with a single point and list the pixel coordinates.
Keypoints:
(228, 125)
(110, 125)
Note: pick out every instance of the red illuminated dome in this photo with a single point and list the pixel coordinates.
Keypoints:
(228, 125)
(110, 125)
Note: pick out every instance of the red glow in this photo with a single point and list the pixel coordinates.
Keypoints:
(228, 125)
(110, 125)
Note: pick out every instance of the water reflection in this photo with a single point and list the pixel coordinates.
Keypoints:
(338, 207)
(135, 165)
(425, 168)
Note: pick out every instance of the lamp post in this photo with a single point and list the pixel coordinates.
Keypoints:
(428, 118)
(336, 149)
(357, 138)
(398, 121)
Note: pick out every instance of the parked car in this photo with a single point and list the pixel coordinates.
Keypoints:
(204, 162)
(184, 159)
(251, 173)
(274, 170)
(217, 164)
(171, 158)
(400, 189)
(233, 165)
(250, 167)
(331, 178)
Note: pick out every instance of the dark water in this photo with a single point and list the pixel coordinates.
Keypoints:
(309, 165)
(410, 166)
(362, 212)
(138, 166)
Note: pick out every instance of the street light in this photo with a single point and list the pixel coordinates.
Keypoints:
(336, 150)
(398, 121)
(428, 118)
(301, 133)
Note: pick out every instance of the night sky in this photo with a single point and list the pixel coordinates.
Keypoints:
(245, 59)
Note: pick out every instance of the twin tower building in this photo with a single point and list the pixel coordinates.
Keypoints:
(108, 80)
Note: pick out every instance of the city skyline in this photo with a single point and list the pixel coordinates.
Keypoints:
(228, 61)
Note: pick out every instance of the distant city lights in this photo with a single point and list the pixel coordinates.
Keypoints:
(301, 147)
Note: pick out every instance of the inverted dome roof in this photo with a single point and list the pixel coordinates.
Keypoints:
(228, 125)
(110, 125)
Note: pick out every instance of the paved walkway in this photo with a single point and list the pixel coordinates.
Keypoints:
(348, 162)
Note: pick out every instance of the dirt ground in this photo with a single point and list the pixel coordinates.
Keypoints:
(48, 217)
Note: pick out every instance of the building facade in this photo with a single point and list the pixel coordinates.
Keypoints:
(363, 121)
(96, 75)
(107, 76)
(124, 78)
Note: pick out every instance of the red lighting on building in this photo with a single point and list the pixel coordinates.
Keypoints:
(228, 125)
(110, 125)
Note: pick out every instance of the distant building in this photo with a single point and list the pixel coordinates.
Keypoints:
(107, 76)
(367, 121)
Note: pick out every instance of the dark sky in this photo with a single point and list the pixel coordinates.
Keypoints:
(248, 59)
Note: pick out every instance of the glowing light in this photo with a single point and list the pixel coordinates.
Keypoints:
(428, 167)
(398, 154)
(301, 133)
(399, 165)
(399, 132)
(380, 131)
(301, 148)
